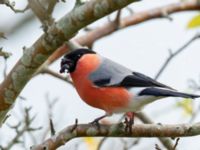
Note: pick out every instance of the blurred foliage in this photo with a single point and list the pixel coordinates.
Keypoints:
(91, 142)
(194, 22)
(4, 53)
(2, 35)
(187, 105)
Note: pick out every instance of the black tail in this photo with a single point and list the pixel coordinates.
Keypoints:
(166, 92)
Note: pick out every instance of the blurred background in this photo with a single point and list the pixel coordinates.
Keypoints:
(142, 47)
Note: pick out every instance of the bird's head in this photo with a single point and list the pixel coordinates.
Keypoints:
(70, 60)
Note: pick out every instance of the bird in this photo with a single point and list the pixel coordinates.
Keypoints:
(107, 85)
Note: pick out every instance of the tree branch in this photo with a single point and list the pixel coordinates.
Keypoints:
(59, 32)
(40, 9)
(164, 140)
(136, 18)
(118, 130)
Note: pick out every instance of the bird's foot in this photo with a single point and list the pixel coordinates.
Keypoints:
(129, 122)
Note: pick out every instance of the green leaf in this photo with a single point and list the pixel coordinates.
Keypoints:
(194, 22)
(91, 142)
(187, 105)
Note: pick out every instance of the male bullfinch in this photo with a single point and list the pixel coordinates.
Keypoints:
(109, 86)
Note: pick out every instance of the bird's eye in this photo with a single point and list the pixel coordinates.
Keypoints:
(79, 55)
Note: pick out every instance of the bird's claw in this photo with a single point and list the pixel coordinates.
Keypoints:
(128, 125)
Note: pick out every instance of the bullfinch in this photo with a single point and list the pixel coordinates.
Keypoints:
(107, 85)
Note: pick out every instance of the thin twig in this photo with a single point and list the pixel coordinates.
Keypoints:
(57, 75)
(174, 54)
(161, 70)
(11, 6)
(127, 146)
(118, 18)
(75, 125)
(20, 128)
(157, 147)
(52, 129)
(102, 141)
(50, 109)
(5, 68)
(176, 144)
(2, 35)
(43, 13)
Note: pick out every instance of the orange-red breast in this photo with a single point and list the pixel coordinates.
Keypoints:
(107, 85)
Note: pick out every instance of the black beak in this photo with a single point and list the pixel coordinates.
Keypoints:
(65, 65)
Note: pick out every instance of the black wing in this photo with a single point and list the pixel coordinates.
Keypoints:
(140, 80)
(134, 80)
(111, 74)
(153, 91)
